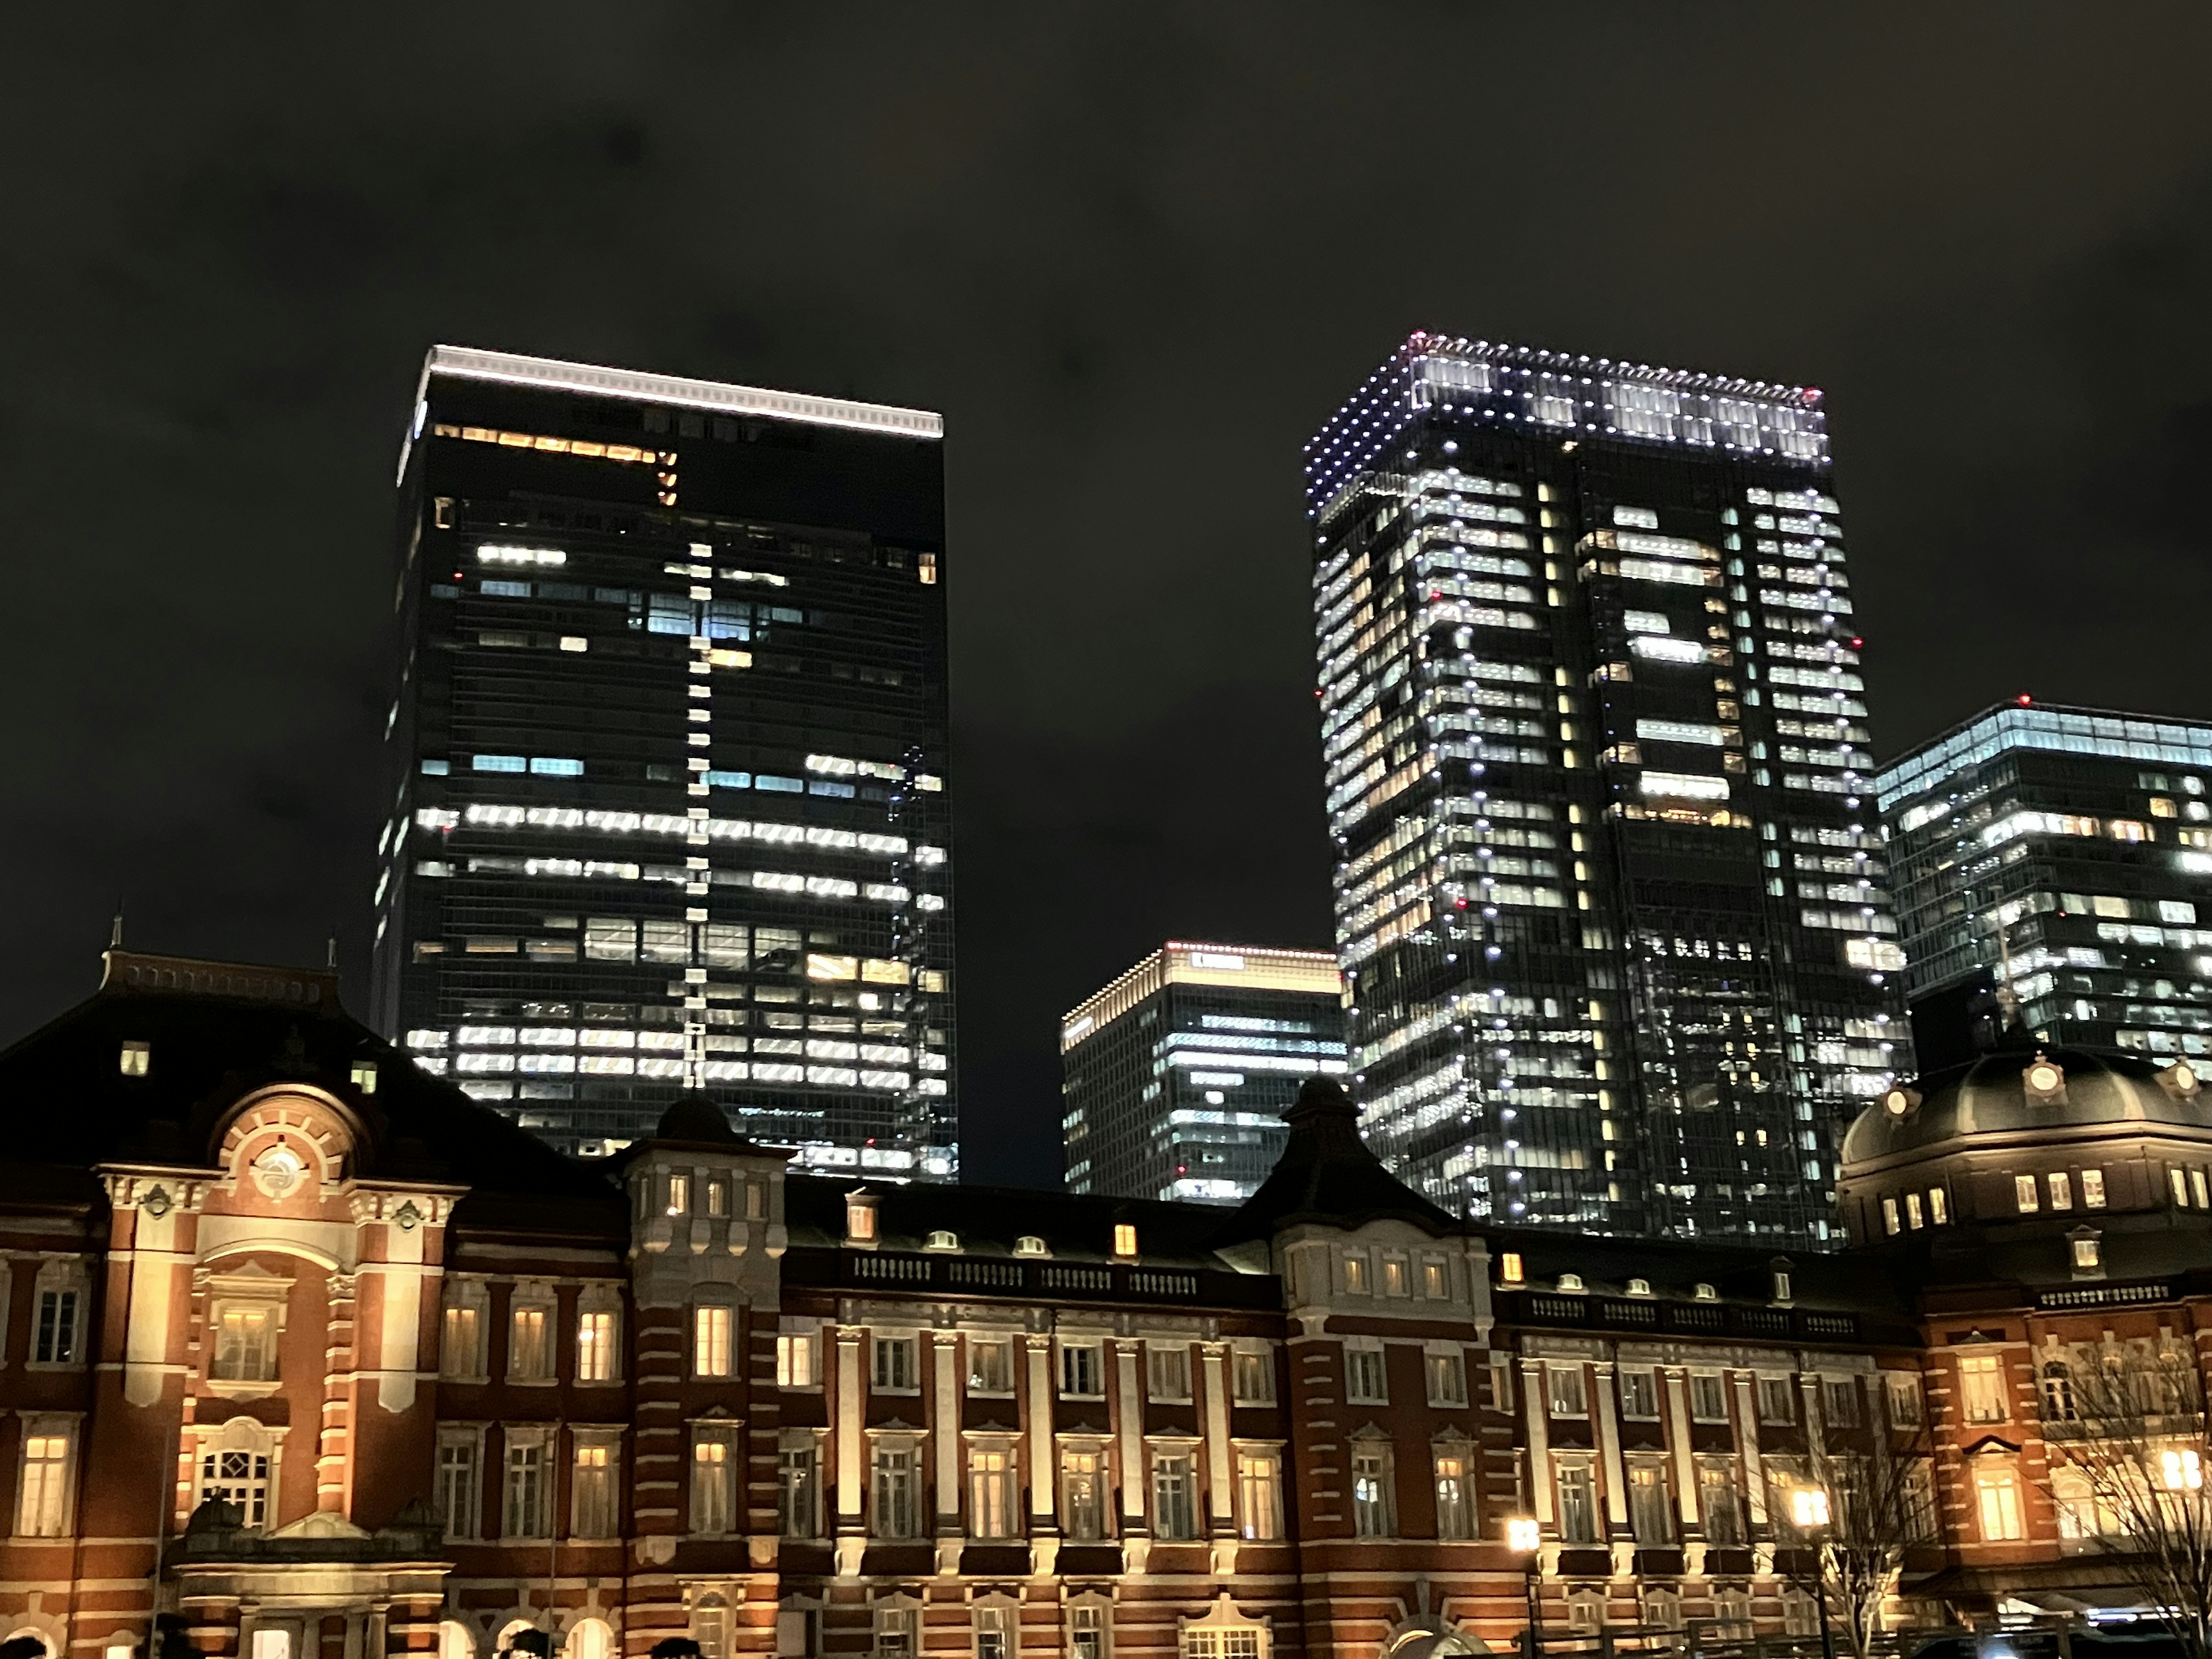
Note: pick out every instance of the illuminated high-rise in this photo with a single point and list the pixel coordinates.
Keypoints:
(1610, 888)
(668, 760)
(1176, 1076)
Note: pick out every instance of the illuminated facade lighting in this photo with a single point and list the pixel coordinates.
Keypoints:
(1610, 888)
(647, 811)
(1174, 1076)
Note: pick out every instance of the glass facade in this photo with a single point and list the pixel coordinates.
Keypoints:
(1175, 1076)
(1610, 885)
(668, 761)
(2068, 854)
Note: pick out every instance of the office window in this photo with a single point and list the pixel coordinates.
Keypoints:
(1996, 1498)
(1577, 1503)
(1708, 1397)
(1777, 1399)
(897, 1504)
(712, 1330)
(1081, 1373)
(994, 1631)
(990, 1365)
(595, 1345)
(1446, 1374)
(1259, 1495)
(1455, 1498)
(1981, 1388)
(42, 1481)
(897, 1364)
(1374, 1506)
(457, 1489)
(795, 1361)
(1167, 1372)
(1365, 1381)
(991, 1495)
(798, 1492)
(1252, 1372)
(526, 1512)
(1175, 1497)
(714, 1481)
(244, 1342)
(592, 1489)
(1650, 1505)
(529, 1353)
(1718, 1505)
(1564, 1390)
(1639, 1393)
(1083, 1495)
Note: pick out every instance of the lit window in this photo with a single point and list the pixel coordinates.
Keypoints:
(1374, 1508)
(990, 1365)
(1455, 1505)
(713, 1482)
(1982, 1389)
(1355, 1275)
(2087, 1251)
(1939, 1207)
(2093, 1188)
(679, 1194)
(1914, 1217)
(2026, 1199)
(1125, 1238)
(2062, 1190)
(364, 1076)
(797, 1479)
(1447, 1379)
(710, 1341)
(1997, 1491)
(860, 1217)
(245, 1343)
(1082, 1492)
(1252, 1375)
(1259, 1496)
(1889, 1220)
(591, 1490)
(595, 1345)
(1088, 1629)
(1395, 1279)
(2179, 1181)
(43, 1484)
(1510, 1268)
(1565, 1391)
(794, 1361)
(995, 1625)
(138, 1059)
(529, 1355)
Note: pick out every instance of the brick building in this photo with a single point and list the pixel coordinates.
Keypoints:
(340, 1364)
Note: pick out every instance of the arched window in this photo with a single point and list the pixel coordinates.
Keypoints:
(235, 1466)
(589, 1638)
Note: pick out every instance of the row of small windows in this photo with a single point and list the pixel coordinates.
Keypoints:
(1779, 1396)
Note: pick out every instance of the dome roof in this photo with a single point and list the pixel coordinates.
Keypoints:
(2025, 1092)
(693, 1117)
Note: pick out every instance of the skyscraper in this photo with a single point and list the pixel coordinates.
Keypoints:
(668, 760)
(1176, 1076)
(2068, 853)
(1609, 879)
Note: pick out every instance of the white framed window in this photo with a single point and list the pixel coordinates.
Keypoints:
(1397, 1275)
(1083, 1492)
(990, 1364)
(57, 1312)
(991, 1494)
(2061, 1186)
(897, 1366)
(1252, 1376)
(1366, 1382)
(897, 1628)
(1174, 1495)
(526, 1511)
(1455, 1495)
(1563, 1389)
(463, 1322)
(1585, 1611)
(1720, 1506)
(1777, 1399)
(1090, 1628)
(1355, 1273)
(45, 1468)
(1982, 1389)
(236, 1467)
(712, 1336)
(1840, 1400)
(1435, 1279)
(245, 1340)
(530, 1333)
(996, 1629)
(1708, 1397)
(1224, 1633)
(1639, 1393)
(594, 1461)
(459, 1485)
(599, 1337)
(1259, 1495)
(1374, 1491)
(1446, 1371)
(798, 1360)
(1167, 1371)
(897, 1494)
(1901, 1390)
(1997, 1500)
(798, 1485)
(1651, 1504)
(713, 1479)
(1577, 1500)
(1082, 1372)
(2025, 1197)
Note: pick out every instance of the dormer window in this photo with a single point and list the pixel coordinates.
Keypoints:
(1510, 1268)
(860, 1217)
(1030, 1244)
(2025, 1198)
(364, 1076)
(136, 1059)
(1570, 1282)
(2088, 1250)
(1639, 1287)
(1782, 1284)
(1705, 1293)
(942, 1240)
(1125, 1238)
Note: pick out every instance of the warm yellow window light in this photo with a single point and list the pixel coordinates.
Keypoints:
(1125, 1238)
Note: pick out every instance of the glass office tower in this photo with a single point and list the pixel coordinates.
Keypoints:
(1176, 1077)
(668, 751)
(1609, 884)
(2067, 853)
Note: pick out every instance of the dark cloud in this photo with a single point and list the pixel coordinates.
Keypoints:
(1135, 254)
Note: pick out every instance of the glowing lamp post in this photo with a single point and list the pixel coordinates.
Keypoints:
(1808, 1509)
(1524, 1537)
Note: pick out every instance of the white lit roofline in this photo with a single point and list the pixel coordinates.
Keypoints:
(466, 362)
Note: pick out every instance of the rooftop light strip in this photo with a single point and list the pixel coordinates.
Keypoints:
(545, 373)
(2065, 730)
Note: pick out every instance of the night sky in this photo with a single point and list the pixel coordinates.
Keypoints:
(1135, 255)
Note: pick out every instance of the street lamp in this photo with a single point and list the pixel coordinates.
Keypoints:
(1523, 1537)
(1808, 1509)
